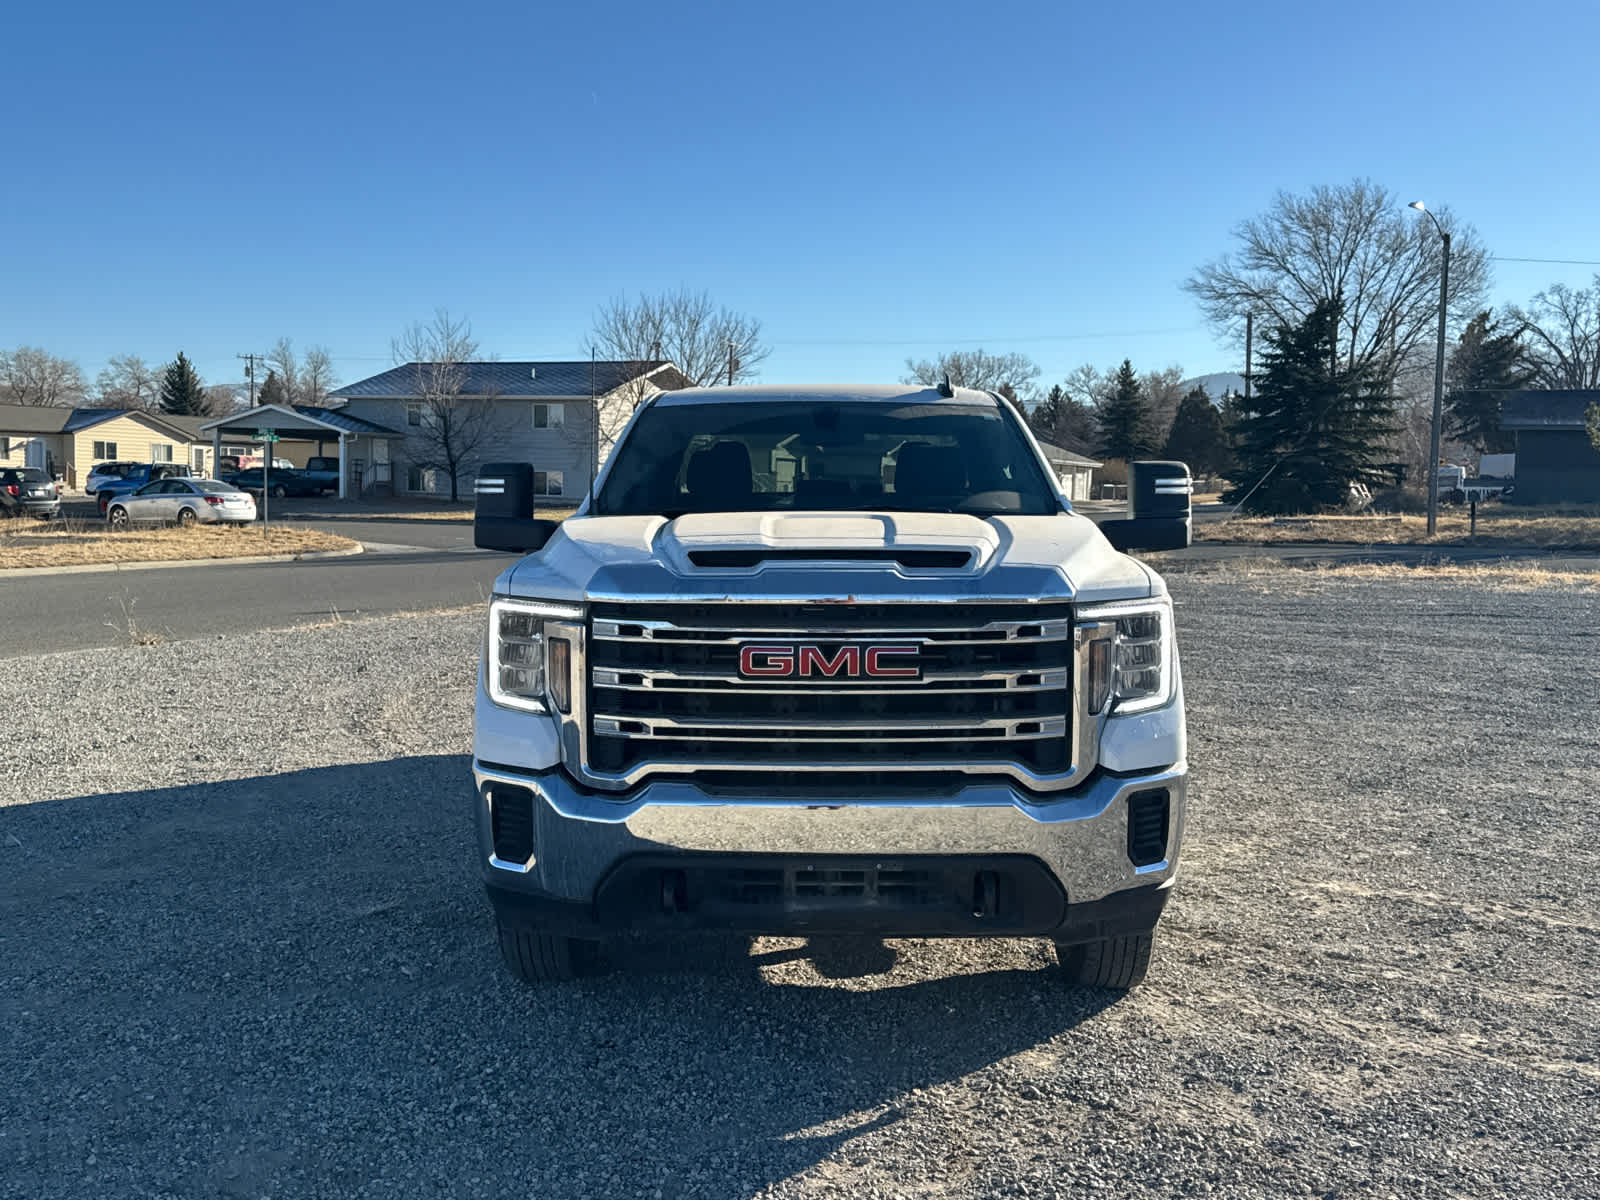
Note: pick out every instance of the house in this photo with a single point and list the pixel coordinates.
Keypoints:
(1556, 463)
(560, 416)
(1075, 472)
(67, 442)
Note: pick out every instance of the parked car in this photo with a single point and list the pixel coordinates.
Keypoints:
(28, 490)
(182, 502)
(136, 477)
(325, 471)
(103, 474)
(284, 481)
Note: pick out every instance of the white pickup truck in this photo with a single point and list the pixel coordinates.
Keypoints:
(831, 659)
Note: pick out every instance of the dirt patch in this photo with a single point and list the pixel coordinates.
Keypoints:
(73, 544)
(1497, 526)
(1274, 574)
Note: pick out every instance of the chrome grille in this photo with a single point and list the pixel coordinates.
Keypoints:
(665, 689)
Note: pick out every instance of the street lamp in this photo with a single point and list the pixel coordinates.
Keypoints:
(1438, 375)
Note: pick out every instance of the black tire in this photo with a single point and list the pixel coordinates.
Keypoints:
(278, 491)
(117, 516)
(534, 956)
(186, 517)
(1118, 962)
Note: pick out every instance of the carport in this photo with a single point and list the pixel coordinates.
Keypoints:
(354, 436)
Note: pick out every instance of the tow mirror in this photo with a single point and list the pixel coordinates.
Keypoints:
(502, 502)
(1159, 508)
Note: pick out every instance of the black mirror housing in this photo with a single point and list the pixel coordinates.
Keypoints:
(503, 510)
(1160, 515)
(516, 535)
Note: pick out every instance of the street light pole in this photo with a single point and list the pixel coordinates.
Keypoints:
(1434, 434)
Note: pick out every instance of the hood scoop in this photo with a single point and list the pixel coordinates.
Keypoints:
(923, 559)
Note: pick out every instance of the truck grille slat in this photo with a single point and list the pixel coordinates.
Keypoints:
(993, 685)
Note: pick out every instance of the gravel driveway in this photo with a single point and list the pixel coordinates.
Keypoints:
(244, 952)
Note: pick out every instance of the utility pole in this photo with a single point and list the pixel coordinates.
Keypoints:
(250, 373)
(1249, 337)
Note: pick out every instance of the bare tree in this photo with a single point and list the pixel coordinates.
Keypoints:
(684, 328)
(1561, 330)
(128, 382)
(225, 398)
(1163, 393)
(978, 369)
(282, 359)
(1355, 244)
(29, 375)
(316, 376)
(455, 422)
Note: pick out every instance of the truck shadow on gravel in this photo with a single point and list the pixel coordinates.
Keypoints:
(289, 983)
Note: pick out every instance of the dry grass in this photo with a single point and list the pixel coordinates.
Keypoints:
(463, 514)
(1270, 574)
(69, 543)
(1497, 526)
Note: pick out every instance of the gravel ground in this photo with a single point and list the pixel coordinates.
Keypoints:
(243, 950)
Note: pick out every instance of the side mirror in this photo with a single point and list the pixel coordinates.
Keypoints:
(503, 495)
(1158, 503)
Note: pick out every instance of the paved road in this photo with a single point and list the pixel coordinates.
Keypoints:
(74, 611)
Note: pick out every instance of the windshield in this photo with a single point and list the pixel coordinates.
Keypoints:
(733, 457)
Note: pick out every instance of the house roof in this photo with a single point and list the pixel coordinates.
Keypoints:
(1561, 409)
(38, 418)
(304, 418)
(1056, 454)
(508, 380)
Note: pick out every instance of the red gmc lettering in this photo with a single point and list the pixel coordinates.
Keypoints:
(776, 660)
(876, 655)
(846, 659)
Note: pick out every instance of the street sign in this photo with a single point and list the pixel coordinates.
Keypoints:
(266, 435)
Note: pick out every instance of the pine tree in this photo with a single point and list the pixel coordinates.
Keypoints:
(1197, 436)
(1125, 418)
(1314, 427)
(1484, 366)
(1063, 420)
(182, 394)
(273, 390)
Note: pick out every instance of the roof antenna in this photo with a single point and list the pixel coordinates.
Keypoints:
(945, 389)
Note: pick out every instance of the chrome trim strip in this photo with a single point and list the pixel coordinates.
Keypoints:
(610, 677)
(925, 730)
(1055, 629)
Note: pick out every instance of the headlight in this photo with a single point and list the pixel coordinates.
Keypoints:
(1129, 659)
(521, 669)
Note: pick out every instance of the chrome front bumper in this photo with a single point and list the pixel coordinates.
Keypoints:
(579, 837)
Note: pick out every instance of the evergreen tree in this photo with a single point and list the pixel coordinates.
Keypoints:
(273, 390)
(1591, 422)
(182, 393)
(1483, 367)
(1063, 420)
(1197, 437)
(1314, 428)
(1125, 418)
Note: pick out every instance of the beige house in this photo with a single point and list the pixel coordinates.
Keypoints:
(1074, 471)
(68, 442)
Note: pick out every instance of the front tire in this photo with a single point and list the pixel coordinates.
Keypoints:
(279, 491)
(186, 518)
(1118, 962)
(534, 956)
(118, 516)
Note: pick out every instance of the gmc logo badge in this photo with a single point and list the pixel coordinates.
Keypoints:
(807, 660)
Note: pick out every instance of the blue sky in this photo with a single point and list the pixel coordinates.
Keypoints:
(873, 181)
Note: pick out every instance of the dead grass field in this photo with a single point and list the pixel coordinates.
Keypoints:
(1270, 574)
(1573, 530)
(71, 544)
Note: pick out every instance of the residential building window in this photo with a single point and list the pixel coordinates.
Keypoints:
(547, 483)
(549, 416)
(419, 479)
(160, 451)
(105, 450)
(413, 414)
(5, 447)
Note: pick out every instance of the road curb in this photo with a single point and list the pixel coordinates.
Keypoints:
(109, 568)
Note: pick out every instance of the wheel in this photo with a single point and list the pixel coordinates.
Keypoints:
(278, 491)
(186, 517)
(1118, 962)
(118, 516)
(535, 956)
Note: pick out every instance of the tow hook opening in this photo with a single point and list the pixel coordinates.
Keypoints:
(985, 894)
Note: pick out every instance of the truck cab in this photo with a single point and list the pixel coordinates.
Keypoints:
(822, 660)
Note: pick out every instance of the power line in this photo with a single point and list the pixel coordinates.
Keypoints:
(1561, 262)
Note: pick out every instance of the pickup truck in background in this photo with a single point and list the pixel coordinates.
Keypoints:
(323, 471)
(829, 659)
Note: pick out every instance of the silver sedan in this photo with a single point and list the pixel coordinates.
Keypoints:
(181, 501)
